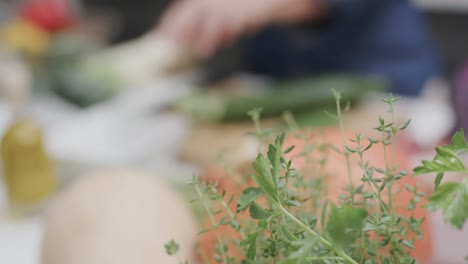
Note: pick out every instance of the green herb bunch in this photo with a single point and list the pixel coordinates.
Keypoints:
(290, 221)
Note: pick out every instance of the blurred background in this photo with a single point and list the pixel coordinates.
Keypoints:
(86, 84)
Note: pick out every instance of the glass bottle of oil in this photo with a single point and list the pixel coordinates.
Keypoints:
(27, 170)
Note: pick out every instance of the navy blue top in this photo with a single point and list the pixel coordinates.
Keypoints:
(383, 37)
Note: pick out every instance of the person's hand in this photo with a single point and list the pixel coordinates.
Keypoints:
(205, 25)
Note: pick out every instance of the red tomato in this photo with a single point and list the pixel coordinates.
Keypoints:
(51, 15)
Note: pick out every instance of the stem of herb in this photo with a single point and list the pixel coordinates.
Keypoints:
(346, 153)
(255, 115)
(322, 240)
(213, 222)
(290, 121)
(378, 256)
(232, 216)
(324, 258)
(363, 247)
(390, 169)
(375, 197)
(275, 257)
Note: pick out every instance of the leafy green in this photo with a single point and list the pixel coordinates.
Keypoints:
(248, 196)
(251, 241)
(172, 248)
(342, 221)
(438, 180)
(452, 198)
(459, 144)
(263, 177)
(304, 250)
(274, 155)
(446, 160)
(258, 212)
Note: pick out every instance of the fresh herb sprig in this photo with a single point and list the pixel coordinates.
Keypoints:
(290, 222)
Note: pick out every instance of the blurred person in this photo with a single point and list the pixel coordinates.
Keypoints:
(297, 37)
(290, 38)
(293, 38)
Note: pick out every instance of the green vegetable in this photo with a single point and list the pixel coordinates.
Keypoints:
(70, 73)
(84, 84)
(306, 94)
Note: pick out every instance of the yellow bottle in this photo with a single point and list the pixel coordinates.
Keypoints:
(27, 170)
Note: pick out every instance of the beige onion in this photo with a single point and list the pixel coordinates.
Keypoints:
(118, 216)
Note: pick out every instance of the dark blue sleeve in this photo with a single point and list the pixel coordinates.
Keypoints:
(379, 37)
(347, 8)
